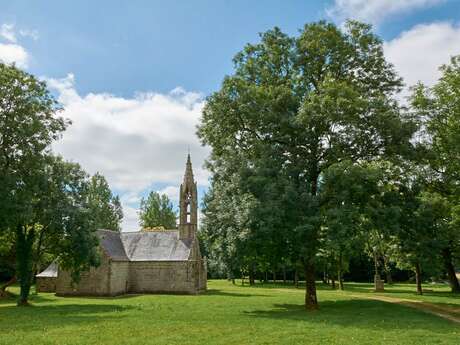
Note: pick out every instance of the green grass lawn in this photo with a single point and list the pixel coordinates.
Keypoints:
(228, 314)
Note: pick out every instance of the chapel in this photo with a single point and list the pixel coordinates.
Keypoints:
(153, 261)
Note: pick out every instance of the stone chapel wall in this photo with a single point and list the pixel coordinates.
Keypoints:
(46, 284)
(119, 277)
(93, 282)
(167, 277)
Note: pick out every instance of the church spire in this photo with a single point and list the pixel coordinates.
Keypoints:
(188, 203)
(188, 169)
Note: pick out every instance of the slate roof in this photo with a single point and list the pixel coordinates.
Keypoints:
(145, 245)
(110, 241)
(137, 246)
(50, 272)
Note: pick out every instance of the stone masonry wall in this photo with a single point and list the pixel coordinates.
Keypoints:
(93, 282)
(46, 284)
(119, 277)
(171, 276)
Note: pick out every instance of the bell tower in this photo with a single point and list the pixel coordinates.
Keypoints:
(188, 217)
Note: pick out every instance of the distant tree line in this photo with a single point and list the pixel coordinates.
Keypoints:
(49, 208)
(316, 165)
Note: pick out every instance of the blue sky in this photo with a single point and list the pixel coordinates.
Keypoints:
(133, 75)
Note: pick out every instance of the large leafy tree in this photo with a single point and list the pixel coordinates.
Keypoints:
(66, 227)
(38, 191)
(439, 107)
(311, 101)
(225, 226)
(105, 207)
(157, 210)
(350, 195)
(28, 125)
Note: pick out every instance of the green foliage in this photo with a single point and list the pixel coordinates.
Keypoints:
(438, 108)
(293, 107)
(44, 201)
(105, 207)
(68, 225)
(225, 228)
(157, 210)
(350, 197)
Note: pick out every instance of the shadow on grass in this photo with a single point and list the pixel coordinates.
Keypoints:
(36, 317)
(357, 313)
(216, 292)
(359, 288)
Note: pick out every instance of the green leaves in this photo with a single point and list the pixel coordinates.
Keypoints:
(105, 207)
(293, 108)
(157, 210)
(439, 108)
(47, 205)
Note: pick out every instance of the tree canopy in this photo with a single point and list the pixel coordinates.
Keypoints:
(157, 210)
(47, 205)
(298, 105)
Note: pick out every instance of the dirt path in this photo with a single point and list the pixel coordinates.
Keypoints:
(452, 314)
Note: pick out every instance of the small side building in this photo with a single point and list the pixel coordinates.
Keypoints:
(46, 280)
(159, 261)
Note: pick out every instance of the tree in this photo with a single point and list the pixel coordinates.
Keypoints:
(37, 190)
(65, 226)
(7, 261)
(157, 210)
(420, 233)
(225, 226)
(350, 194)
(28, 125)
(105, 207)
(439, 107)
(310, 101)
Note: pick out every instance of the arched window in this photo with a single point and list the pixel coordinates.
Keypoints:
(188, 207)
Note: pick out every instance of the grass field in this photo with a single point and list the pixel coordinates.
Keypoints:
(229, 314)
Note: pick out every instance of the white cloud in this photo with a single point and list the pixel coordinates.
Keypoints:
(135, 142)
(375, 11)
(10, 50)
(7, 33)
(172, 192)
(419, 52)
(33, 34)
(14, 53)
(130, 219)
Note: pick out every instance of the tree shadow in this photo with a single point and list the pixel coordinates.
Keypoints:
(366, 314)
(40, 316)
(217, 292)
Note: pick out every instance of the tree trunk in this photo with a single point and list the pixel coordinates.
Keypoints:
(296, 278)
(389, 277)
(387, 270)
(3, 288)
(447, 257)
(376, 265)
(266, 277)
(24, 242)
(274, 277)
(311, 301)
(324, 276)
(38, 254)
(339, 272)
(251, 275)
(418, 278)
(333, 283)
(284, 274)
